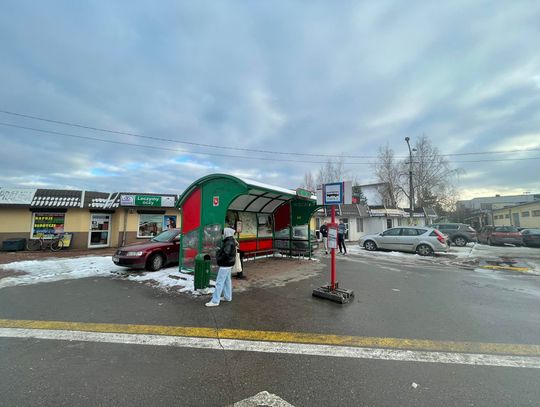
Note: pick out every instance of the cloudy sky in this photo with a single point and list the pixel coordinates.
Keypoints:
(312, 77)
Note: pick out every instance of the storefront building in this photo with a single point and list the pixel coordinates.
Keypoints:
(90, 219)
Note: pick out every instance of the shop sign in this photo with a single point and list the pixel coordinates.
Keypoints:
(147, 200)
(17, 196)
(303, 193)
(48, 224)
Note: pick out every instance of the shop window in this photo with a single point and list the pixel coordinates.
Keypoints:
(388, 223)
(47, 225)
(153, 224)
(150, 225)
(535, 213)
(525, 214)
(99, 230)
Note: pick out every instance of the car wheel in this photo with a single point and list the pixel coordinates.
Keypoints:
(460, 241)
(155, 262)
(424, 250)
(370, 245)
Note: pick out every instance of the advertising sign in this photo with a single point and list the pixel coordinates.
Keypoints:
(167, 201)
(127, 200)
(303, 193)
(48, 224)
(21, 196)
(147, 200)
(216, 201)
(169, 222)
(332, 236)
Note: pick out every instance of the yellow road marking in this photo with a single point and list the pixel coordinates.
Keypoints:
(506, 268)
(286, 337)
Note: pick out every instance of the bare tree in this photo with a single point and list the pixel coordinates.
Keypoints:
(433, 177)
(309, 182)
(332, 171)
(388, 172)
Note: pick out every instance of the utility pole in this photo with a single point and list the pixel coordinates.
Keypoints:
(411, 190)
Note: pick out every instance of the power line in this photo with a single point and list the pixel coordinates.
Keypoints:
(240, 148)
(177, 141)
(177, 150)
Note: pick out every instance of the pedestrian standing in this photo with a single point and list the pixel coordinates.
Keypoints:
(226, 257)
(342, 229)
(324, 234)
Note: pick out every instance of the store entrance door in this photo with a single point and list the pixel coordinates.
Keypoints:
(99, 235)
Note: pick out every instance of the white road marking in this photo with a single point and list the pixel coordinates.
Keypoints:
(263, 399)
(474, 359)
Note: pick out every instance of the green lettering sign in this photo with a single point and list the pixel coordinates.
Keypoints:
(146, 200)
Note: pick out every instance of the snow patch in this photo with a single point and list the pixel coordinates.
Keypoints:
(47, 271)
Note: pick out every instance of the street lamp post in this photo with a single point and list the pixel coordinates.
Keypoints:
(411, 190)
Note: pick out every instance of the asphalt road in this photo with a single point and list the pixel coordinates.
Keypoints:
(408, 301)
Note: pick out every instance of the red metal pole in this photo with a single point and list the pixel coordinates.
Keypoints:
(333, 253)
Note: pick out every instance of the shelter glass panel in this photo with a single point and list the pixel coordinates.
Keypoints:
(240, 203)
(190, 247)
(258, 204)
(272, 206)
(264, 225)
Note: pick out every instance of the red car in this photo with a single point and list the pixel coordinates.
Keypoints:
(159, 251)
(500, 235)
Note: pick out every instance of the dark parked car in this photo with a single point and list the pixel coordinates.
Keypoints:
(458, 233)
(500, 235)
(159, 251)
(531, 237)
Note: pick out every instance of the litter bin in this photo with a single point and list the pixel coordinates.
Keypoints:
(203, 266)
(13, 245)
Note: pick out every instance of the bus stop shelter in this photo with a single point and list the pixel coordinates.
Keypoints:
(268, 218)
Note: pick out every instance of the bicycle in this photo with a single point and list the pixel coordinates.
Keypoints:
(54, 244)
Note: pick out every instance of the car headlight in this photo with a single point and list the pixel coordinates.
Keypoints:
(134, 254)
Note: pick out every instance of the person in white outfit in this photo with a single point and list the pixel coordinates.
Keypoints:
(226, 257)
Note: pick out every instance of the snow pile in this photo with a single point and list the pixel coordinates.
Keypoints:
(46, 271)
(171, 280)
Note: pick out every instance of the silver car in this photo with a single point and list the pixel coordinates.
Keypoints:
(417, 239)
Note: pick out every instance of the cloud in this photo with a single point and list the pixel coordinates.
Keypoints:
(311, 78)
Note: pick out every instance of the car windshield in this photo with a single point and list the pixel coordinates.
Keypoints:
(165, 236)
(533, 231)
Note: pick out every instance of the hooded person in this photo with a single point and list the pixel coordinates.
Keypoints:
(226, 257)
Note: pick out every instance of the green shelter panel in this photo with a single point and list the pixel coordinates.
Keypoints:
(301, 211)
(217, 196)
